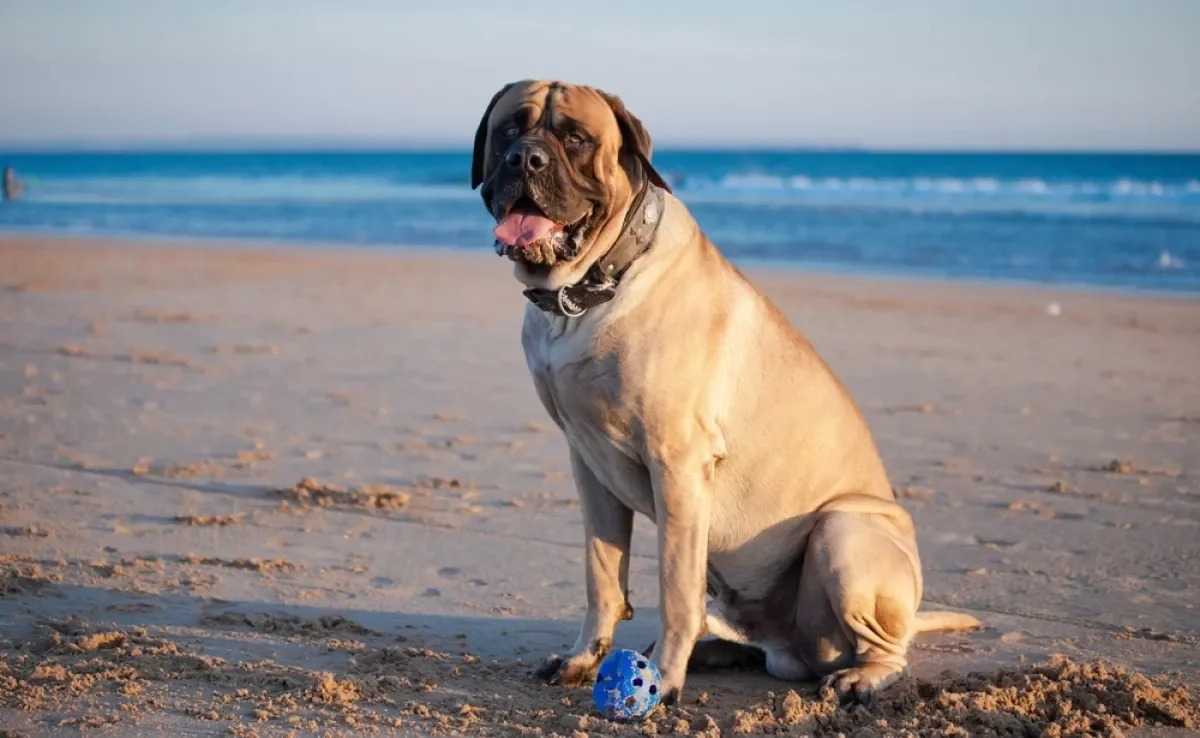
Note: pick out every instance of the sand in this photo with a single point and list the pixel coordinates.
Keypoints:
(248, 490)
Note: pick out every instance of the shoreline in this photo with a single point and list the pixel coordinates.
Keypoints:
(758, 266)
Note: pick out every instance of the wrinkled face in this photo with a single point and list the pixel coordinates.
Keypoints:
(558, 164)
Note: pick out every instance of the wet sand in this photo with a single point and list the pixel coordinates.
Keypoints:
(255, 490)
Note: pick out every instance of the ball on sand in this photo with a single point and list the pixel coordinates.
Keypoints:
(627, 687)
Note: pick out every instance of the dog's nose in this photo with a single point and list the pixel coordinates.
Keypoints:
(529, 157)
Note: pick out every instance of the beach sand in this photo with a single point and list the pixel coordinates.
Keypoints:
(255, 490)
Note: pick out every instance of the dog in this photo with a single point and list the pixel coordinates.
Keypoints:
(686, 396)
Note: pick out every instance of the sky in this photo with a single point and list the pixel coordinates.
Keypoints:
(888, 74)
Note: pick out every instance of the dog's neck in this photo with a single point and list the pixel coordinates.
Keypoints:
(599, 283)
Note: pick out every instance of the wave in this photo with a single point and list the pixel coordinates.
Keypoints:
(217, 190)
(979, 187)
(1121, 196)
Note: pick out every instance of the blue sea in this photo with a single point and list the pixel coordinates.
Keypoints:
(1130, 222)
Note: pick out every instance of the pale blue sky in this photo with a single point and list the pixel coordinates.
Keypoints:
(884, 74)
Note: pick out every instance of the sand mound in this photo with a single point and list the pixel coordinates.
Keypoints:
(262, 566)
(22, 575)
(1056, 698)
(309, 492)
(288, 625)
(242, 461)
(219, 521)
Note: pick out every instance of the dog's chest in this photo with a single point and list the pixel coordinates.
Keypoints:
(583, 389)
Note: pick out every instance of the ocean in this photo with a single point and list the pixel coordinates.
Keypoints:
(1119, 221)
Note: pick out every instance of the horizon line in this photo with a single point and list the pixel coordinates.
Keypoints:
(337, 146)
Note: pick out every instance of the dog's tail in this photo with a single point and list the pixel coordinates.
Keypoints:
(945, 620)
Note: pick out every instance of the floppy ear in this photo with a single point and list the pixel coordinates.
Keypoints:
(635, 140)
(481, 137)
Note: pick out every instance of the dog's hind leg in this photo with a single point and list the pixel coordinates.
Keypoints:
(608, 531)
(859, 592)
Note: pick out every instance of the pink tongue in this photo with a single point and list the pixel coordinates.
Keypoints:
(522, 229)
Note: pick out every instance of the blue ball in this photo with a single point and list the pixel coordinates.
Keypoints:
(628, 686)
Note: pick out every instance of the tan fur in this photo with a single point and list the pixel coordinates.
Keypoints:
(689, 398)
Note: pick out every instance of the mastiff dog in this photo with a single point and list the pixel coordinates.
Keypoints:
(685, 395)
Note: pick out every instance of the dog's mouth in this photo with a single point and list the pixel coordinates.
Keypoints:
(526, 232)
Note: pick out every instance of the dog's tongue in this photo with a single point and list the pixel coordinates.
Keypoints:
(522, 229)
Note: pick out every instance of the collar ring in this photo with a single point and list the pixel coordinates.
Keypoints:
(567, 306)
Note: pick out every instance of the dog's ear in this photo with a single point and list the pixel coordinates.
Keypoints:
(481, 137)
(636, 146)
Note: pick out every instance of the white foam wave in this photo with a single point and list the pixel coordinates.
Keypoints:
(1167, 260)
(917, 193)
(215, 190)
(941, 186)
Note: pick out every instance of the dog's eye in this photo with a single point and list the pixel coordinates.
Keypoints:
(575, 139)
(511, 132)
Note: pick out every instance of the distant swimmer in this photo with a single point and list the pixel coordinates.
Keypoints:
(12, 185)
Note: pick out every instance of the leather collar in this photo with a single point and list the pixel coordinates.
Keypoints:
(599, 284)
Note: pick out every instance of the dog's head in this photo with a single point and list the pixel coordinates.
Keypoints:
(559, 165)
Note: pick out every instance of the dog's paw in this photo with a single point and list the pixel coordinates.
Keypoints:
(671, 689)
(572, 671)
(861, 683)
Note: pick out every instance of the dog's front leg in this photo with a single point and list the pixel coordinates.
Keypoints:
(608, 530)
(683, 483)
